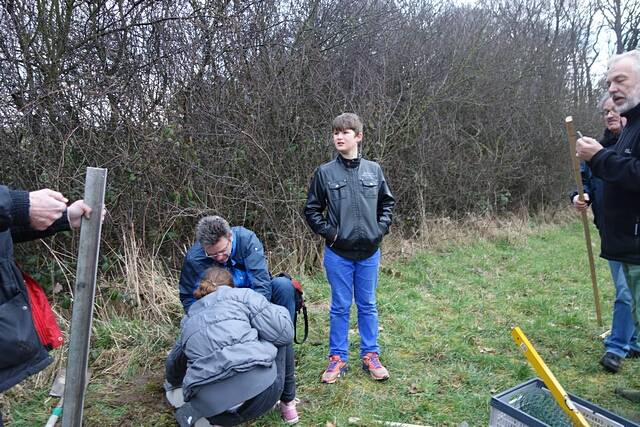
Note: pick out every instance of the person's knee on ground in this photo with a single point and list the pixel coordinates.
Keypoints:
(283, 293)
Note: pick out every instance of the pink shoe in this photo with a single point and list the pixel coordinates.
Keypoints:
(289, 412)
(371, 363)
(337, 368)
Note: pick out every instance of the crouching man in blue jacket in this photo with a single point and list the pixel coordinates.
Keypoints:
(237, 250)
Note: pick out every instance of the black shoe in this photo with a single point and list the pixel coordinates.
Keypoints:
(633, 354)
(611, 362)
(629, 393)
(186, 415)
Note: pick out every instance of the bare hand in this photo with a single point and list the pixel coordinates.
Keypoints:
(79, 209)
(45, 207)
(581, 206)
(76, 211)
(587, 147)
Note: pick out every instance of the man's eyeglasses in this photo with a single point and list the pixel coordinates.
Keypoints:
(219, 253)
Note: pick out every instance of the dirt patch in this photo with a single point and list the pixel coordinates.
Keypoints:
(139, 401)
(144, 389)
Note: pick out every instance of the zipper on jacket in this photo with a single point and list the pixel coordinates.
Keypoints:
(636, 237)
(338, 232)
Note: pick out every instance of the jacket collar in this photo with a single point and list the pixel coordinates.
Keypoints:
(207, 300)
(348, 163)
(632, 114)
(234, 246)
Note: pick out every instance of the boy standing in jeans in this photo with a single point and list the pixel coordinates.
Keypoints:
(349, 204)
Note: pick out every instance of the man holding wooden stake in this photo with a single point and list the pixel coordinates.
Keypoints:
(621, 343)
(619, 168)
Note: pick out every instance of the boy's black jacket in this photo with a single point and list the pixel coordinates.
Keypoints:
(358, 204)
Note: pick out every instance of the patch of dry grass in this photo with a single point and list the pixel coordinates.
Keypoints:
(439, 233)
(135, 322)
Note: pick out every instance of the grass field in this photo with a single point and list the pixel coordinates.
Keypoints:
(445, 317)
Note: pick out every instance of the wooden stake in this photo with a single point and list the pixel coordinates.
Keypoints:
(571, 134)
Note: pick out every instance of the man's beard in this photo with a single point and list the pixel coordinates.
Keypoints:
(630, 102)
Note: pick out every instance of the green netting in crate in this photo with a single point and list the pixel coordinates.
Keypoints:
(540, 405)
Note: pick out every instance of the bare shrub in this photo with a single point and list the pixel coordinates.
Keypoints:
(224, 107)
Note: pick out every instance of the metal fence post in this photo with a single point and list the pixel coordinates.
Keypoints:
(83, 298)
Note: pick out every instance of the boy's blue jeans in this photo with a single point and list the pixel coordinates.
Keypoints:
(623, 331)
(352, 280)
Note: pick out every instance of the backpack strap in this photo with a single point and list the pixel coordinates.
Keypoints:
(306, 326)
(303, 308)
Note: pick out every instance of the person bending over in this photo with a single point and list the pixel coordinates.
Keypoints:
(230, 358)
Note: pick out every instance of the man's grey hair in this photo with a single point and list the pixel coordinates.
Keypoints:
(211, 229)
(634, 55)
(604, 98)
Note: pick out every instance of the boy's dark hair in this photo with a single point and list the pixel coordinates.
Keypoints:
(347, 121)
(211, 229)
(213, 278)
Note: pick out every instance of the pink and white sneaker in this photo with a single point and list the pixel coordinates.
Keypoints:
(289, 412)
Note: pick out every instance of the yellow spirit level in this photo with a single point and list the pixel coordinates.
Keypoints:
(549, 379)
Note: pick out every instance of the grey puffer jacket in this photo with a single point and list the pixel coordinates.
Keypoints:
(228, 331)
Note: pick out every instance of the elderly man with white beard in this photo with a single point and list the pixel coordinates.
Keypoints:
(622, 342)
(619, 168)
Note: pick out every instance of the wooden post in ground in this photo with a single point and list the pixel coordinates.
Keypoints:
(83, 297)
(571, 134)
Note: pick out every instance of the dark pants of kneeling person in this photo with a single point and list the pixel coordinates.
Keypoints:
(283, 388)
(283, 293)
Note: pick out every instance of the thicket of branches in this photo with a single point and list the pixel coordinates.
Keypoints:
(224, 106)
